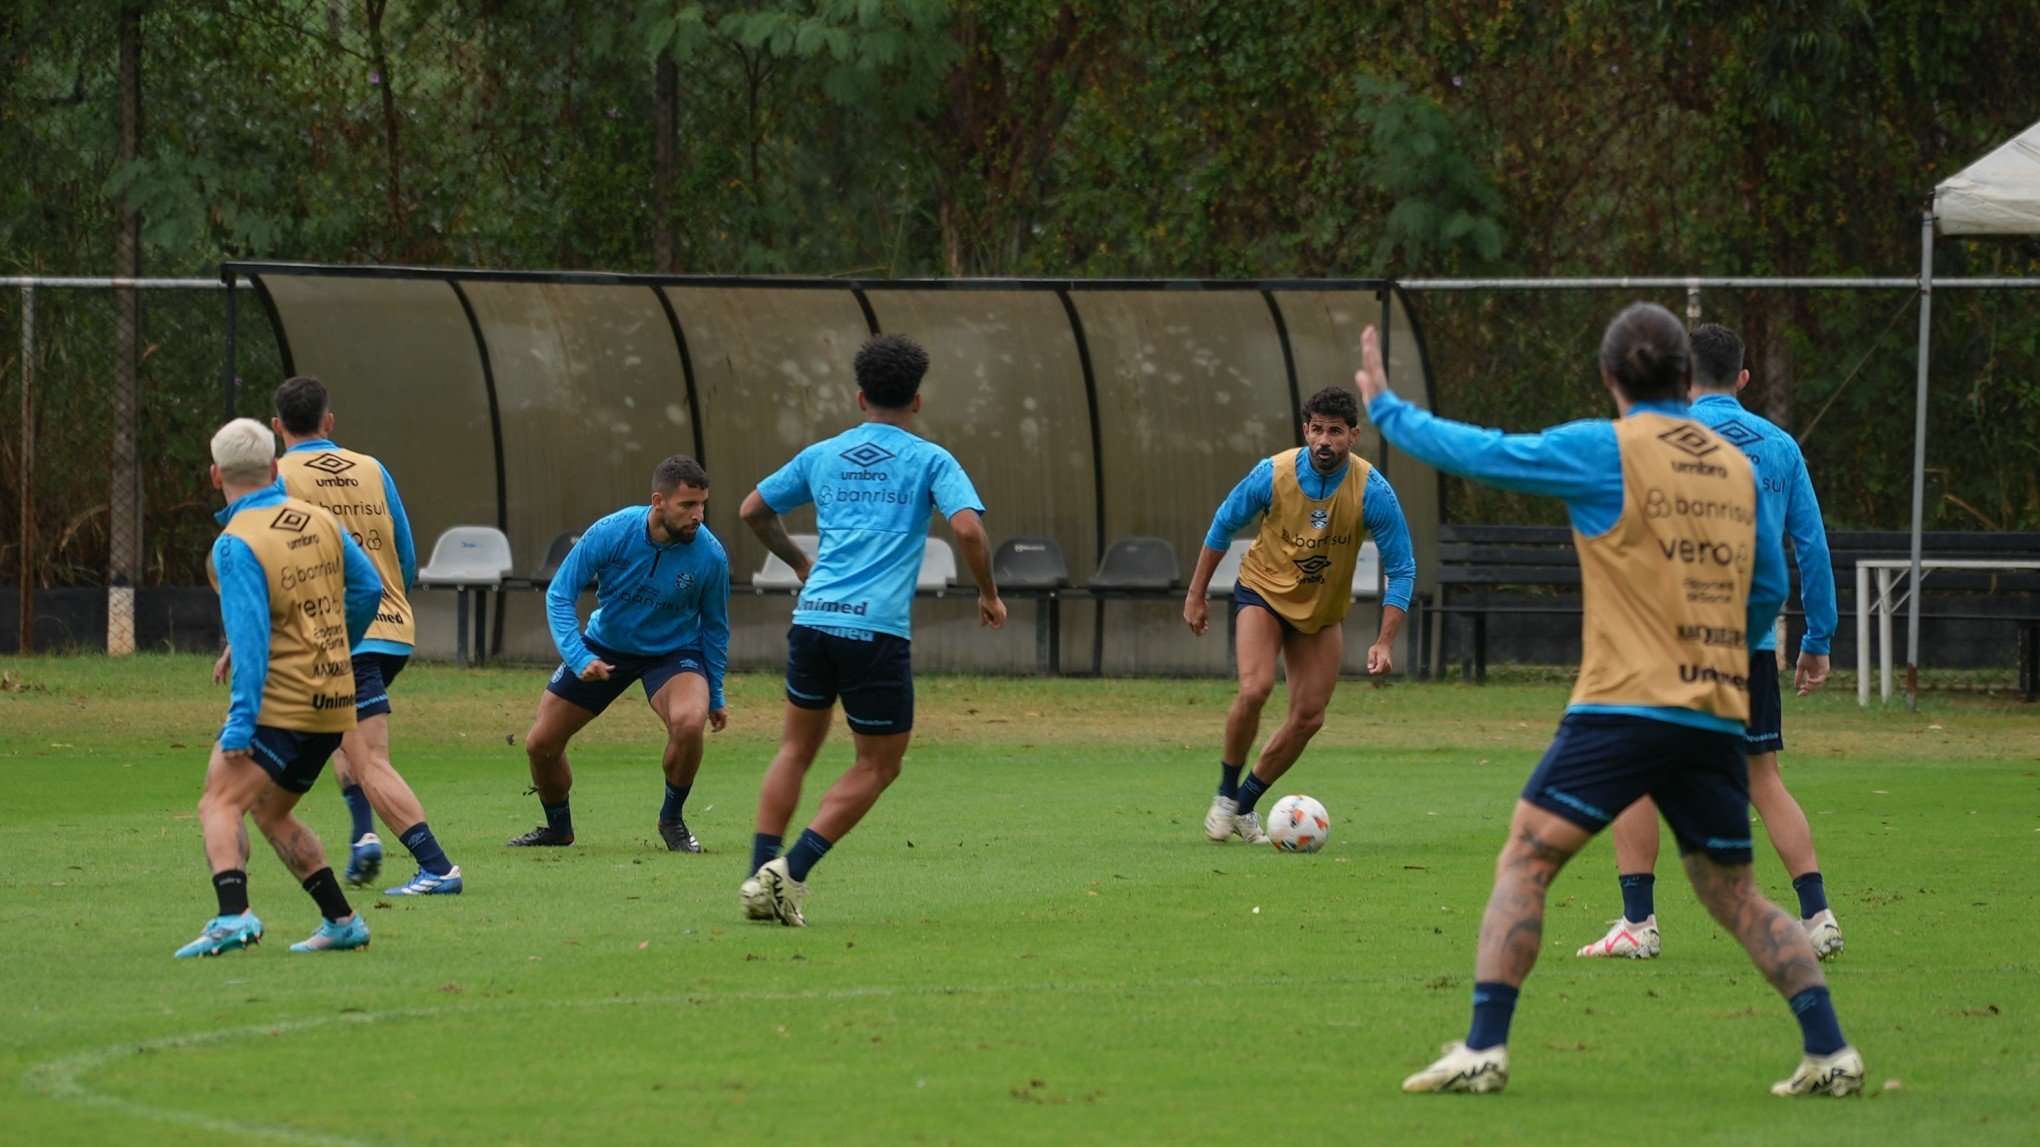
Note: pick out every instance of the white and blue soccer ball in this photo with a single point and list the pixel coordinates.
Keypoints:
(1298, 823)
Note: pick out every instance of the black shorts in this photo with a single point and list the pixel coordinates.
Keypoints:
(1244, 598)
(292, 759)
(872, 672)
(625, 668)
(1767, 718)
(1600, 763)
(373, 675)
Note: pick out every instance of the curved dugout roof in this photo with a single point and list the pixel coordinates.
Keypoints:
(1084, 410)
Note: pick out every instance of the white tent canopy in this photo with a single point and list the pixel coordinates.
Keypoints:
(1997, 195)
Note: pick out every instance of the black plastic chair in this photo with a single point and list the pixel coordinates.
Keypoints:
(555, 554)
(1029, 564)
(1137, 565)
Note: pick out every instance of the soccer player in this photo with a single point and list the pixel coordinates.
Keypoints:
(358, 490)
(295, 594)
(1294, 588)
(662, 588)
(1785, 504)
(1664, 517)
(872, 487)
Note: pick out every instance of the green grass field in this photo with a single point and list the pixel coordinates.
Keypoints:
(1029, 941)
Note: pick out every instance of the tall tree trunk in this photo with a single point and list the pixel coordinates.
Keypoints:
(379, 59)
(124, 559)
(1775, 401)
(665, 163)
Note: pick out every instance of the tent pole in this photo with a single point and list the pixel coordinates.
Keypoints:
(1912, 621)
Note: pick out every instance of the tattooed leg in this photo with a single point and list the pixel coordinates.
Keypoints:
(233, 785)
(294, 841)
(1776, 943)
(1512, 930)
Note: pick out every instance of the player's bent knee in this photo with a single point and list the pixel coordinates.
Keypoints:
(689, 726)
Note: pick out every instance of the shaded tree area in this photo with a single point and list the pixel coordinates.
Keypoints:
(1078, 138)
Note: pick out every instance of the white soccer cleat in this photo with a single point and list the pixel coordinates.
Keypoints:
(757, 905)
(1626, 938)
(1463, 1069)
(1825, 934)
(1250, 828)
(1837, 1075)
(1221, 823)
(782, 893)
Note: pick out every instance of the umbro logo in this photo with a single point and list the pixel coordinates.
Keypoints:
(1688, 439)
(1314, 565)
(867, 455)
(1742, 436)
(290, 521)
(329, 463)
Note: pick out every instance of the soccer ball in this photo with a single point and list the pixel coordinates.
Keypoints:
(1298, 823)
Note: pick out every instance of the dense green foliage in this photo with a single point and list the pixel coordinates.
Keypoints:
(1028, 941)
(1076, 137)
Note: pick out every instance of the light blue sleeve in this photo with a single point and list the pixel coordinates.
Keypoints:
(244, 615)
(575, 575)
(1816, 570)
(400, 524)
(1578, 462)
(1384, 517)
(952, 487)
(1248, 500)
(715, 629)
(788, 486)
(364, 589)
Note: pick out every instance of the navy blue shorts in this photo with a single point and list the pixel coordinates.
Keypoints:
(1243, 598)
(1767, 717)
(872, 672)
(293, 759)
(625, 668)
(1600, 763)
(373, 673)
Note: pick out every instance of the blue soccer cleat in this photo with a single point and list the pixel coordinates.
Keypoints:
(333, 937)
(366, 860)
(427, 884)
(224, 934)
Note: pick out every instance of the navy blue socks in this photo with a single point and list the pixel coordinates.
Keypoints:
(1639, 896)
(357, 808)
(676, 799)
(1494, 1005)
(806, 853)
(1250, 791)
(764, 850)
(1228, 779)
(1812, 895)
(425, 847)
(1817, 1023)
(558, 817)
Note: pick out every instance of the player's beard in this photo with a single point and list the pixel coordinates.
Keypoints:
(1326, 461)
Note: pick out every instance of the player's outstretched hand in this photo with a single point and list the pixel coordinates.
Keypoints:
(991, 611)
(1197, 614)
(1812, 672)
(1372, 378)
(223, 666)
(1380, 659)
(598, 670)
(717, 718)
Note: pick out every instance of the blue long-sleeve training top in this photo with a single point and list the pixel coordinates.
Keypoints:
(244, 612)
(407, 545)
(1380, 512)
(1579, 463)
(1786, 505)
(651, 600)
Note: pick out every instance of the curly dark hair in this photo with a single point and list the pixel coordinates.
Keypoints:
(1717, 357)
(889, 370)
(300, 403)
(678, 471)
(1333, 402)
(1646, 350)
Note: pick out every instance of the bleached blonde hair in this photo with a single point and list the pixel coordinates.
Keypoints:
(243, 450)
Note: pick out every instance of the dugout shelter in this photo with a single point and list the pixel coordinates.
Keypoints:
(1086, 411)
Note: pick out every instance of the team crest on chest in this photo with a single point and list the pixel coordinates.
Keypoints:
(1319, 519)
